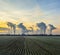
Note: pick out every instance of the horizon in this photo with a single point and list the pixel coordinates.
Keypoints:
(30, 12)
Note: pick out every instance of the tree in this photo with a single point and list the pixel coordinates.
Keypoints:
(42, 27)
(12, 26)
(51, 28)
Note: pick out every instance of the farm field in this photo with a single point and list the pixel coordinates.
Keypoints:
(29, 45)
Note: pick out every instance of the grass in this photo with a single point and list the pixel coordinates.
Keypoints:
(29, 45)
(51, 44)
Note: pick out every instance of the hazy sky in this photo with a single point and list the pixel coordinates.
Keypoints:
(33, 11)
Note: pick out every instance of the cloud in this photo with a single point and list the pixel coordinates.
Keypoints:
(11, 13)
(18, 11)
(8, 12)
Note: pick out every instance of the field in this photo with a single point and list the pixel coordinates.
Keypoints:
(29, 45)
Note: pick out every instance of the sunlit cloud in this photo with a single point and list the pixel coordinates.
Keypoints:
(30, 11)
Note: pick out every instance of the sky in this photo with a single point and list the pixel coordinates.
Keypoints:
(30, 12)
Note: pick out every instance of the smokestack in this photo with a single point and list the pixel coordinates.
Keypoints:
(13, 26)
(51, 28)
(42, 27)
(24, 30)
